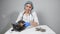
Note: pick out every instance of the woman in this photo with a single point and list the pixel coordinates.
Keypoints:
(28, 15)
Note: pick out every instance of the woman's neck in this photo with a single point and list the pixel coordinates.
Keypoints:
(27, 12)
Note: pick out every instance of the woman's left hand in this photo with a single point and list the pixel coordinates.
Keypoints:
(33, 24)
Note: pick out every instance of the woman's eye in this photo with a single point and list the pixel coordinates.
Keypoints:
(28, 6)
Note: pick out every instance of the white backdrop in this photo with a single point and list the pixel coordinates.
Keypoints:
(47, 11)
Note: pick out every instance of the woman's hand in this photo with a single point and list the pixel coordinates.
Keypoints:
(33, 24)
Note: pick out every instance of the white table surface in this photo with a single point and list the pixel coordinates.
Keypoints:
(32, 31)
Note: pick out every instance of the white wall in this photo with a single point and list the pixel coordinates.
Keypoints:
(47, 11)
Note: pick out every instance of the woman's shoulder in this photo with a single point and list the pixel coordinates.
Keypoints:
(21, 12)
(34, 12)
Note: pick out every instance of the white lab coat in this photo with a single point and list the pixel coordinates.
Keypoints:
(32, 16)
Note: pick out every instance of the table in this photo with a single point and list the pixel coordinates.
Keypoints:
(32, 31)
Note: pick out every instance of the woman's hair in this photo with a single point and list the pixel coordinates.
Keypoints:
(28, 2)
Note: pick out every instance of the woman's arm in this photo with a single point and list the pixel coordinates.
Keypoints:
(35, 22)
(19, 17)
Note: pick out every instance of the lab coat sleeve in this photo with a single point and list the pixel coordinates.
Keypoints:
(19, 17)
(35, 17)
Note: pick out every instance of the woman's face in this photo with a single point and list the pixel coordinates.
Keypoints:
(28, 7)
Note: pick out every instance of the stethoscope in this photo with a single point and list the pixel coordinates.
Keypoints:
(29, 15)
